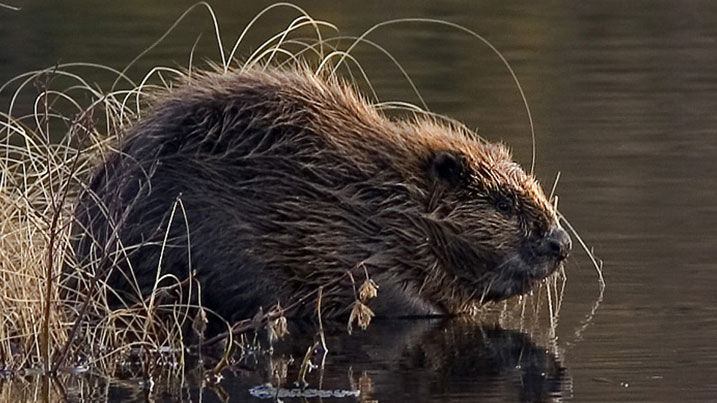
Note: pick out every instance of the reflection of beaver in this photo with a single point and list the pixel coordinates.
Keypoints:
(287, 180)
(420, 361)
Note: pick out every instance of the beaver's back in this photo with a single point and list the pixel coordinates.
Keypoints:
(241, 156)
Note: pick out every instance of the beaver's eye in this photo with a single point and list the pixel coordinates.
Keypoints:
(503, 206)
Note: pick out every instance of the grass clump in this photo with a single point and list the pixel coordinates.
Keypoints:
(48, 153)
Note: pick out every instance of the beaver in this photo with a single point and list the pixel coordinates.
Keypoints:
(271, 182)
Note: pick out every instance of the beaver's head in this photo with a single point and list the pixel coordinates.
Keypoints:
(489, 223)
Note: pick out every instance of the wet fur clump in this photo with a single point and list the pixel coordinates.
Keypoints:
(286, 180)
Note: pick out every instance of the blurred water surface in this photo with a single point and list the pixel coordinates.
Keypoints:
(623, 96)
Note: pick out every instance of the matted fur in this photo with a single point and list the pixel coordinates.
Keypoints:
(290, 179)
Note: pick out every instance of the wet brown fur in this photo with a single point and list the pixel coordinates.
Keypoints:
(289, 179)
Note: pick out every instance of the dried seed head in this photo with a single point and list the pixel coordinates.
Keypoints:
(368, 290)
(360, 313)
(277, 328)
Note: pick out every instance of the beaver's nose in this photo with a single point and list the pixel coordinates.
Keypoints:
(556, 244)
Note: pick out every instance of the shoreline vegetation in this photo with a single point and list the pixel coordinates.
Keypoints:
(58, 127)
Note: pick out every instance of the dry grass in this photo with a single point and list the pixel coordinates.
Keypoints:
(47, 158)
(56, 128)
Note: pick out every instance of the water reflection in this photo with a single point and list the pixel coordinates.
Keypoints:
(455, 359)
(399, 361)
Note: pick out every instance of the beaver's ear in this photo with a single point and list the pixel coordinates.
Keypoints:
(448, 166)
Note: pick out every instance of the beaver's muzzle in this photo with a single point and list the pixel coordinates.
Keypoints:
(556, 244)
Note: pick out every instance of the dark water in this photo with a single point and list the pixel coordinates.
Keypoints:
(624, 98)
